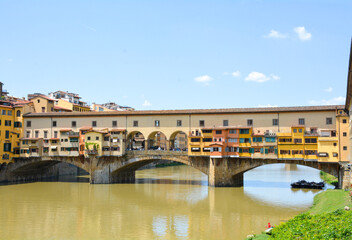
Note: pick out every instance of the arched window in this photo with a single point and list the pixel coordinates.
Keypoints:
(18, 113)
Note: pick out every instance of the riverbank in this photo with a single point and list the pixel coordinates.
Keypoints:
(330, 179)
(326, 219)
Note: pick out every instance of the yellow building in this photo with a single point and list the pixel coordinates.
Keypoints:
(245, 144)
(64, 104)
(41, 103)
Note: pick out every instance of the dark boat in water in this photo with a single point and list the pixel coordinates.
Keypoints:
(305, 184)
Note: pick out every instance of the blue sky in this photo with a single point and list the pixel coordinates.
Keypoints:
(178, 54)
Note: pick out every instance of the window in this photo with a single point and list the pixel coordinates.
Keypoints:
(207, 131)
(225, 123)
(106, 139)
(333, 133)
(344, 120)
(201, 123)
(195, 149)
(97, 138)
(301, 121)
(257, 139)
(179, 123)
(310, 140)
(311, 152)
(157, 123)
(275, 122)
(38, 100)
(206, 149)
(28, 134)
(345, 148)
(195, 139)
(29, 124)
(7, 147)
(232, 131)
(345, 134)
(244, 131)
(3, 112)
(114, 123)
(249, 122)
(328, 121)
(207, 139)
(298, 140)
(43, 109)
(88, 138)
(300, 130)
(335, 144)
(55, 134)
(54, 123)
(73, 124)
(17, 124)
(94, 123)
(232, 140)
(36, 134)
(135, 123)
(216, 149)
(8, 123)
(9, 112)
(73, 140)
(45, 134)
(245, 140)
(7, 134)
(218, 132)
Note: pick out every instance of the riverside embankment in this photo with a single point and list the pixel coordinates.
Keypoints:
(326, 219)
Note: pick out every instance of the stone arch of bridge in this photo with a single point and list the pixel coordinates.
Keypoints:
(233, 170)
(135, 141)
(130, 165)
(178, 140)
(35, 168)
(157, 139)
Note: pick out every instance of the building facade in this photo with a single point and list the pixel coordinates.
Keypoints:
(308, 133)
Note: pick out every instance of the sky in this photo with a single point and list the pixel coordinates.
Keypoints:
(178, 54)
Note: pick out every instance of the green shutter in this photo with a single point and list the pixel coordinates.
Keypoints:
(261, 150)
(266, 151)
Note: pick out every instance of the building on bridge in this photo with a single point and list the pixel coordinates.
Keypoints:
(303, 133)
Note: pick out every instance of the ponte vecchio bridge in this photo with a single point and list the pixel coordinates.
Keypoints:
(222, 143)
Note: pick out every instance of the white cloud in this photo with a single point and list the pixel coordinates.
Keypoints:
(265, 106)
(302, 33)
(236, 74)
(329, 89)
(333, 101)
(274, 77)
(203, 79)
(275, 34)
(257, 77)
(146, 103)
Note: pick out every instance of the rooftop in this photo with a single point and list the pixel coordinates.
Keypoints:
(190, 111)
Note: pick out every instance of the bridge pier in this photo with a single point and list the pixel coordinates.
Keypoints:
(345, 177)
(221, 176)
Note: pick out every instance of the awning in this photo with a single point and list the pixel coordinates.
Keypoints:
(195, 148)
(53, 147)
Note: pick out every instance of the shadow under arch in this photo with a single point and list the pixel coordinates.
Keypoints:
(41, 170)
(126, 173)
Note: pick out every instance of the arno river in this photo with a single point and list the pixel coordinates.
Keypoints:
(167, 203)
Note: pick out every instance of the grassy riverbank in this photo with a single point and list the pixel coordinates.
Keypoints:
(330, 179)
(326, 219)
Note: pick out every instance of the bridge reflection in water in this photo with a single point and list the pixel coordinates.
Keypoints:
(155, 210)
